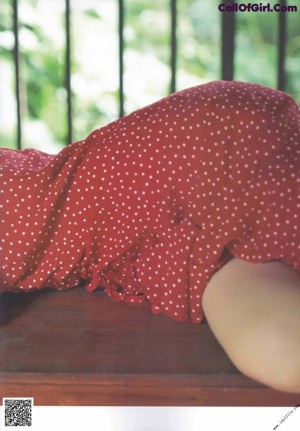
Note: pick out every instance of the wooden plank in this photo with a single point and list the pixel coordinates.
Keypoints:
(92, 333)
(143, 390)
(78, 348)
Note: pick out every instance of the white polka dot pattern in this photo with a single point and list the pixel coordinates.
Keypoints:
(150, 206)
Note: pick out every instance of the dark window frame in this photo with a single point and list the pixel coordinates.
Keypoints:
(228, 36)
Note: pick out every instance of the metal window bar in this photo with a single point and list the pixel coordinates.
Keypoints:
(68, 72)
(121, 57)
(228, 49)
(228, 35)
(16, 53)
(227, 45)
(173, 48)
(173, 45)
(281, 78)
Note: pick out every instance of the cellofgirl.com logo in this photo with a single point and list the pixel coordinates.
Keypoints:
(256, 7)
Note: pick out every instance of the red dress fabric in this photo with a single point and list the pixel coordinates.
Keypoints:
(150, 206)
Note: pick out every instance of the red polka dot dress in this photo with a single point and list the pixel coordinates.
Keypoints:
(151, 205)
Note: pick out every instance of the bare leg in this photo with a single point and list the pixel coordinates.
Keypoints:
(254, 312)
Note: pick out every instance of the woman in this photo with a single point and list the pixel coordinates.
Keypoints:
(191, 203)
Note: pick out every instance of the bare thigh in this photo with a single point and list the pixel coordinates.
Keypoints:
(254, 312)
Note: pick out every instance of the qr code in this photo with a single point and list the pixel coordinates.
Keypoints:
(18, 412)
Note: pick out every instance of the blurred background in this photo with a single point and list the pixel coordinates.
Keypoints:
(146, 60)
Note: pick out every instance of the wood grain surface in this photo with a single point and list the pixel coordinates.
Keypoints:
(77, 348)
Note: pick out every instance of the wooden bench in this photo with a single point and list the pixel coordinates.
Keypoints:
(83, 349)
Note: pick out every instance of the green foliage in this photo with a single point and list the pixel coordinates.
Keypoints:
(147, 30)
(147, 27)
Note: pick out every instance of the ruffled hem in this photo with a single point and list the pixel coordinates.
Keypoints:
(133, 276)
(119, 277)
